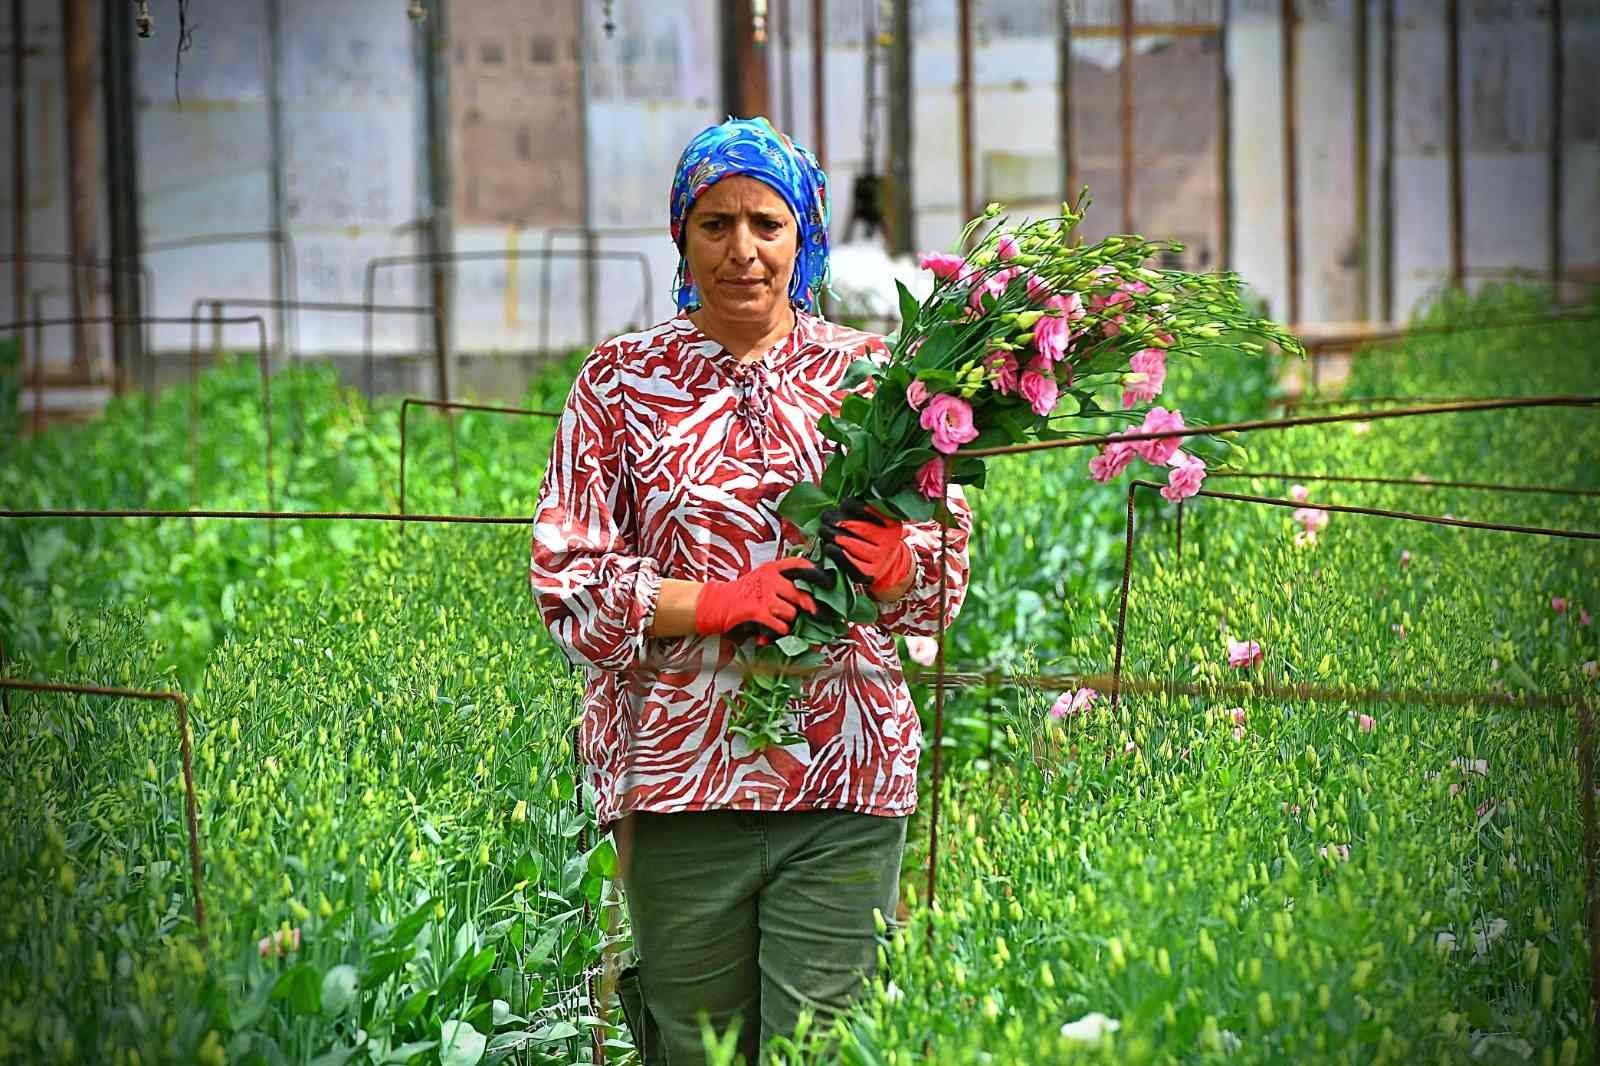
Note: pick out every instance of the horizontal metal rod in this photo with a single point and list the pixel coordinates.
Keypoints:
(1413, 482)
(282, 516)
(310, 305)
(1394, 336)
(453, 405)
(1285, 423)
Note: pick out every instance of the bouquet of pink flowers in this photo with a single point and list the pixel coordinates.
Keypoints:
(1031, 336)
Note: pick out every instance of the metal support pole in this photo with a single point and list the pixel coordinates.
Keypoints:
(1386, 175)
(122, 186)
(1126, 78)
(1363, 165)
(969, 193)
(819, 60)
(786, 64)
(1453, 125)
(78, 58)
(902, 132)
(591, 285)
(434, 41)
(19, 188)
(1069, 161)
(1291, 151)
(1557, 100)
(277, 147)
(1224, 145)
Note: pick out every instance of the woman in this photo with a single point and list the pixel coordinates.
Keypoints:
(751, 878)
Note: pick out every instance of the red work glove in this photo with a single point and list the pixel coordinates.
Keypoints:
(766, 600)
(867, 545)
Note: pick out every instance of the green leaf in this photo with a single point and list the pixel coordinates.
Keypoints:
(864, 611)
(256, 1005)
(338, 989)
(912, 505)
(909, 308)
(412, 1008)
(409, 926)
(539, 954)
(855, 409)
(856, 373)
(803, 504)
(460, 1044)
(406, 1052)
(381, 965)
(301, 987)
(792, 645)
(603, 858)
(466, 940)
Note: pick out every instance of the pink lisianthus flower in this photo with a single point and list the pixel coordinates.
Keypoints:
(1558, 604)
(1366, 723)
(279, 943)
(1583, 617)
(1007, 247)
(1311, 519)
(1150, 370)
(1112, 460)
(1038, 387)
(1405, 558)
(1188, 473)
(1329, 851)
(1243, 654)
(916, 395)
(1159, 420)
(993, 285)
(1038, 289)
(1236, 715)
(923, 650)
(1075, 702)
(1052, 336)
(945, 267)
(1068, 303)
(1106, 307)
(1002, 368)
(949, 419)
(1299, 493)
(930, 477)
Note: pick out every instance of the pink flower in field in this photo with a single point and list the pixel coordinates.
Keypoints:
(949, 418)
(1342, 851)
(1558, 604)
(279, 942)
(1366, 723)
(1068, 303)
(1455, 787)
(1075, 702)
(1236, 715)
(1405, 559)
(1002, 367)
(945, 267)
(1112, 460)
(1150, 374)
(1305, 538)
(1583, 617)
(993, 286)
(1052, 336)
(1243, 654)
(930, 477)
(916, 395)
(1299, 493)
(1238, 732)
(1038, 387)
(1188, 472)
(1487, 806)
(924, 650)
(1592, 669)
(1038, 289)
(1007, 247)
(1159, 420)
(1312, 519)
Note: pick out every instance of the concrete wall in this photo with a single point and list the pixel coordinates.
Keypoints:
(352, 181)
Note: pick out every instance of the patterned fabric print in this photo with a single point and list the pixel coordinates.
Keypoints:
(669, 463)
(754, 148)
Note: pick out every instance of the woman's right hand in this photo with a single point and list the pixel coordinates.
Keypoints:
(765, 601)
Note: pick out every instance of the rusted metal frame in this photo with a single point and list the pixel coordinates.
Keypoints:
(938, 696)
(262, 362)
(181, 708)
(416, 401)
(1557, 102)
(1363, 159)
(19, 189)
(274, 516)
(78, 69)
(1224, 144)
(1353, 341)
(819, 60)
(1291, 162)
(1285, 423)
(969, 191)
(1412, 482)
(1386, 205)
(1125, 80)
(373, 265)
(786, 65)
(589, 255)
(1069, 158)
(1269, 501)
(1295, 403)
(1149, 29)
(288, 331)
(1453, 139)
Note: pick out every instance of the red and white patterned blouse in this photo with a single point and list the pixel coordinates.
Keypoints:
(669, 463)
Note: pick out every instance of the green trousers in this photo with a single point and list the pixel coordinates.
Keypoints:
(750, 916)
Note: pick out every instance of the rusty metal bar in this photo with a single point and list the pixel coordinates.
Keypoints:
(969, 192)
(1125, 79)
(1284, 423)
(1291, 162)
(78, 70)
(1557, 102)
(1453, 139)
(1122, 603)
(415, 401)
(938, 695)
(1069, 160)
(1295, 403)
(276, 516)
(1149, 29)
(819, 60)
(1224, 144)
(21, 258)
(181, 707)
(288, 328)
(19, 187)
(1412, 482)
(1363, 161)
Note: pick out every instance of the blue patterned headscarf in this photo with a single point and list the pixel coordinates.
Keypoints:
(752, 147)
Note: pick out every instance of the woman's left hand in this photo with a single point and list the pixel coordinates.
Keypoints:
(869, 546)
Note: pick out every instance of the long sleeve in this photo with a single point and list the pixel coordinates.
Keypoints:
(595, 594)
(917, 612)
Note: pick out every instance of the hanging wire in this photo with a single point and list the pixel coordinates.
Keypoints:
(144, 21)
(608, 12)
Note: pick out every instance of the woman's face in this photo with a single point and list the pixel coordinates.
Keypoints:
(741, 242)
